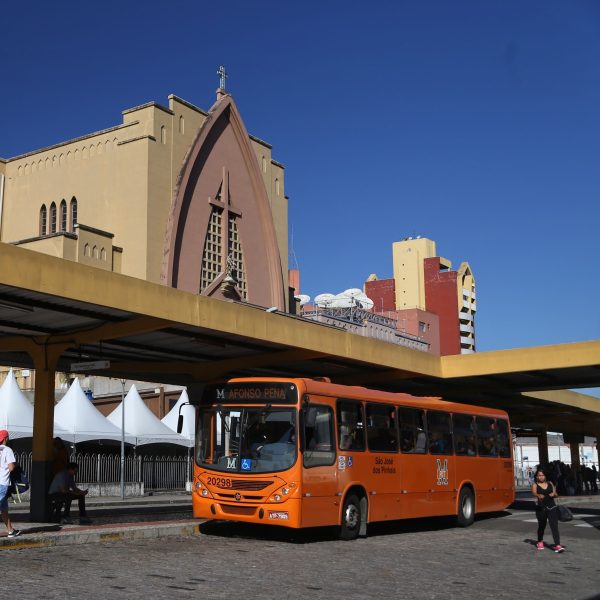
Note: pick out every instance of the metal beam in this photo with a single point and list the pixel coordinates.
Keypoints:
(206, 371)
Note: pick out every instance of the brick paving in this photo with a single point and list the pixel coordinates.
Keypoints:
(423, 559)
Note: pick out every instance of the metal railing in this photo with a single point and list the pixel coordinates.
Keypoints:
(155, 472)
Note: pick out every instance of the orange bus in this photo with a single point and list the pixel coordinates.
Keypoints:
(307, 453)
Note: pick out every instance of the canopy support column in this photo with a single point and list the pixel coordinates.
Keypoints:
(45, 361)
(575, 460)
(543, 448)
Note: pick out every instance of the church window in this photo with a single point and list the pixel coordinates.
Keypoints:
(163, 135)
(277, 186)
(264, 164)
(73, 214)
(235, 252)
(212, 255)
(181, 125)
(95, 251)
(53, 218)
(63, 216)
(103, 254)
(86, 250)
(43, 219)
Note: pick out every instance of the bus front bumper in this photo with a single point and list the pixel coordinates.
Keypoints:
(286, 514)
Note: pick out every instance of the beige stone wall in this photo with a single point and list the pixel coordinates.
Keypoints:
(105, 172)
(60, 246)
(273, 177)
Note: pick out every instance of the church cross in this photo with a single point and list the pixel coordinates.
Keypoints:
(222, 77)
(223, 202)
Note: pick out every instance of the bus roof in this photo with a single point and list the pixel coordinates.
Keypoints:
(326, 388)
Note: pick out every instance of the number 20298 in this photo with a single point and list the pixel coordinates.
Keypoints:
(222, 482)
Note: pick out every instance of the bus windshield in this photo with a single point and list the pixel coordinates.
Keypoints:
(246, 440)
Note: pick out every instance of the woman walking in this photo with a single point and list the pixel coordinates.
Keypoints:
(546, 509)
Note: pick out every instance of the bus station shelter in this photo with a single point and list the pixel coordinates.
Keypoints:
(56, 314)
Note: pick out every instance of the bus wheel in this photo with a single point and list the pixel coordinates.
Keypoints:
(351, 518)
(466, 507)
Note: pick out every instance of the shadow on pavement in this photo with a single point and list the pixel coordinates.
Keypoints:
(328, 534)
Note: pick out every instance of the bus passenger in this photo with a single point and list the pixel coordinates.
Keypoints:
(546, 509)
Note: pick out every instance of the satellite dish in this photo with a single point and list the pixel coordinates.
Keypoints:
(323, 300)
(302, 298)
(366, 303)
(352, 293)
(342, 302)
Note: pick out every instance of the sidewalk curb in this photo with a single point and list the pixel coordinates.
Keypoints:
(106, 533)
(141, 501)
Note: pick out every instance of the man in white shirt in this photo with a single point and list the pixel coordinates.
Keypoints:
(7, 464)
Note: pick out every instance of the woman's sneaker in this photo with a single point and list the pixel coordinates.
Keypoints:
(540, 545)
(14, 533)
(558, 548)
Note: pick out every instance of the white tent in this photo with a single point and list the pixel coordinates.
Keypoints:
(16, 412)
(82, 421)
(141, 422)
(189, 418)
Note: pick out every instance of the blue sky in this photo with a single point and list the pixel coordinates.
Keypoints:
(476, 124)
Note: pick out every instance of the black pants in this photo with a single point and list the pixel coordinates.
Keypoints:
(60, 500)
(543, 516)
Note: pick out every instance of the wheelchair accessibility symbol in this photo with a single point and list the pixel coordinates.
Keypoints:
(246, 464)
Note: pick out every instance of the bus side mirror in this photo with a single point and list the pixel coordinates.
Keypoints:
(180, 424)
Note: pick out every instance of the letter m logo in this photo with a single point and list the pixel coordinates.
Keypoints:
(442, 471)
(221, 394)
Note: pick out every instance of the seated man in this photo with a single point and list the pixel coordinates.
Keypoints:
(62, 492)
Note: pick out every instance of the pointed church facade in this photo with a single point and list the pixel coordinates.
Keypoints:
(174, 195)
(221, 239)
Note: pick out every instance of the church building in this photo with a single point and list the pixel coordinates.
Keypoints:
(173, 195)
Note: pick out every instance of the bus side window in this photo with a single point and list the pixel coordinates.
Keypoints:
(351, 425)
(440, 434)
(486, 436)
(413, 439)
(319, 447)
(382, 433)
(503, 438)
(465, 439)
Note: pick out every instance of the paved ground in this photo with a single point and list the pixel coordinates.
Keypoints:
(429, 558)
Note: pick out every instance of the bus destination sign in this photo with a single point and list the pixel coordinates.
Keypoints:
(251, 393)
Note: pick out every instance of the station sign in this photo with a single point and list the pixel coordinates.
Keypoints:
(92, 365)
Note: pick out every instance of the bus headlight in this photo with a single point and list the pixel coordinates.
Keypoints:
(285, 491)
(204, 492)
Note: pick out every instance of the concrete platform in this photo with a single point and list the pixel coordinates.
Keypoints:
(113, 519)
(38, 535)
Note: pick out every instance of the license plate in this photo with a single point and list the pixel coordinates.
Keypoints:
(282, 516)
